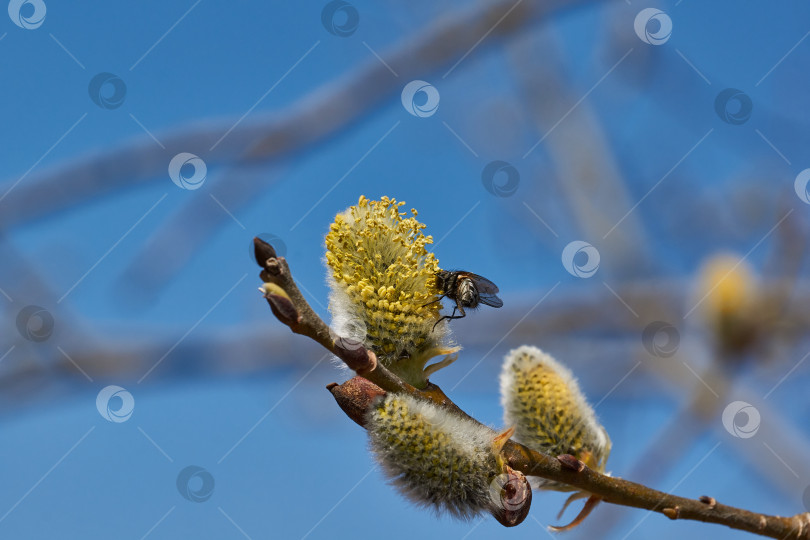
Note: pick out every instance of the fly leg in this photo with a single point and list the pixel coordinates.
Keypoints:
(458, 307)
(439, 299)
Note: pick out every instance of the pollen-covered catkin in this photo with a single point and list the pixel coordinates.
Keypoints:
(542, 400)
(443, 461)
(383, 286)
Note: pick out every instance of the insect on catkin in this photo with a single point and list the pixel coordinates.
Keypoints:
(542, 400)
(443, 461)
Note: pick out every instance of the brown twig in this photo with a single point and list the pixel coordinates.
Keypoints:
(626, 493)
(290, 307)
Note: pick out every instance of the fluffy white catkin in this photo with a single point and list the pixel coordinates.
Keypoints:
(443, 461)
(542, 400)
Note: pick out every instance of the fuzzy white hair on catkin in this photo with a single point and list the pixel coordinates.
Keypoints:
(427, 478)
(475, 438)
(343, 314)
(347, 321)
(527, 358)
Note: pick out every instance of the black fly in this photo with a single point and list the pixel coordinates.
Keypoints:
(467, 289)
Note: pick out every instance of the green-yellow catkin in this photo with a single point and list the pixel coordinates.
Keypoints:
(731, 303)
(383, 286)
(444, 461)
(727, 287)
(542, 400)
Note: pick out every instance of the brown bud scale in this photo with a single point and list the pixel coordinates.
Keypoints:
(570, 462)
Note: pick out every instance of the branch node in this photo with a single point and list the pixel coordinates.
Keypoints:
(672, 513)
(358, 358)
(570, 462)
(710, 501)
(372, 363)
(272, 268)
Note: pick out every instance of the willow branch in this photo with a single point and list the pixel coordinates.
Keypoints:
(626, 493)
(354, 397)
(290, 307)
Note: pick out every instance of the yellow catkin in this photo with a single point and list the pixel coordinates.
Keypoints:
(727, 286)
(732, 305)
(542, 400)
(434, 458)
(383, 281)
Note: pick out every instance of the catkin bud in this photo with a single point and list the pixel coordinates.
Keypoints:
(446, 462)
(542, 400)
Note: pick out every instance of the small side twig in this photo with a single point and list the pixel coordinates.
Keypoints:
(354, 396)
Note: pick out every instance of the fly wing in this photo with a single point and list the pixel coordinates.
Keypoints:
(490, 300)
(483, 285)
